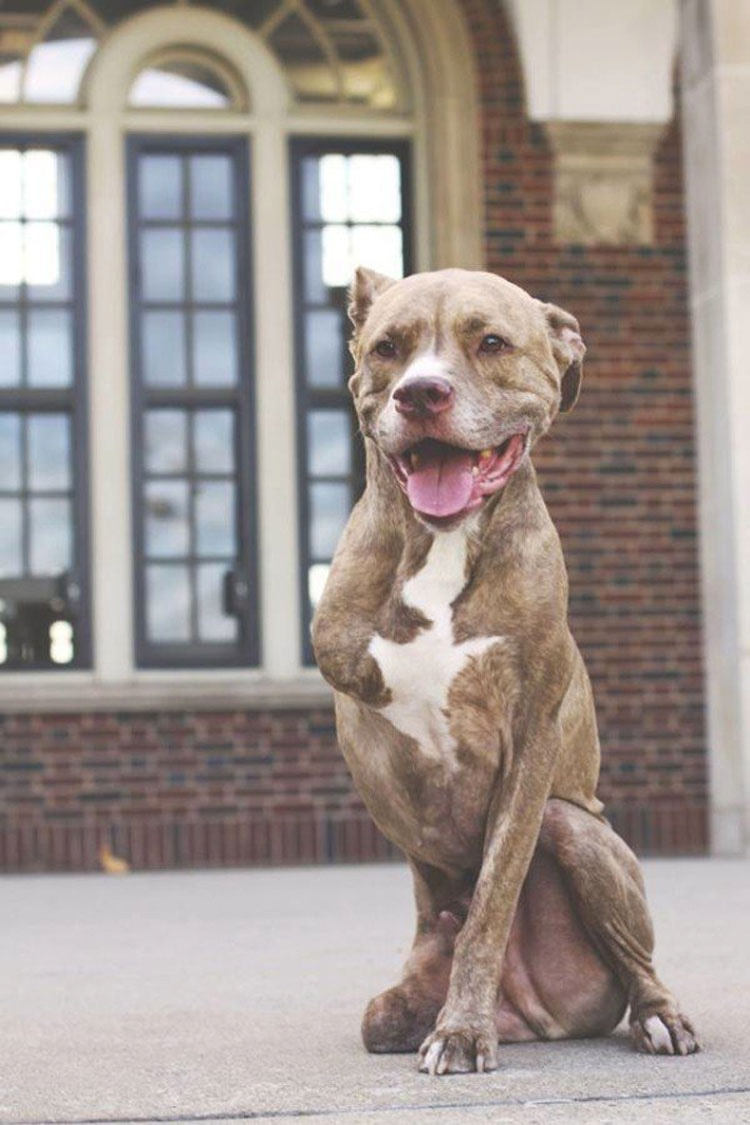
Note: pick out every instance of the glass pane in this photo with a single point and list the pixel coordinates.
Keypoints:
(163, 265)
(329, 509)
(178, 84)
(338, 261)
(334, 188)
(380, 248)
(214, 349)
(315, 289)
(215, 518)
(160, 187)
(50, 347)
(166, 441)
(324, 348)
(213, 623)
(11, 183)
(61, 647)
(163, 340)
(329, 443)
(11, 562)
(167, 519)
(50, 529)
(210, 187)
(48, 452)
(10, 452)
(345, 248)
(10, 79)
(374, 189)
(12, 259)
(46, 187)
(168, 603)
(310, 188)
(213, 441)
(10, 348)
(55, 67)
(212, 264)
(317, 576)
(34, 184)
(48, 261)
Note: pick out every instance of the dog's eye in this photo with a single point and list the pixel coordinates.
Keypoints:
(493, 343)
(386, 349)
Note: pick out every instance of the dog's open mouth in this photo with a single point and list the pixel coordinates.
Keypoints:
(443, 481)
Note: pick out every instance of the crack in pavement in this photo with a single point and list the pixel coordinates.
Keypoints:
(348, 1111)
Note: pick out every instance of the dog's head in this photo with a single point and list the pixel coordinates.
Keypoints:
(457, 375)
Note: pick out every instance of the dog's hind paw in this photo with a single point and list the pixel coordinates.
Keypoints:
(458, 1052)
(664, 1033)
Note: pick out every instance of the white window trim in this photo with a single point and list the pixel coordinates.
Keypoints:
(444, 91)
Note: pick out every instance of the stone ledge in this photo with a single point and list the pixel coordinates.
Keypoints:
(603, 181)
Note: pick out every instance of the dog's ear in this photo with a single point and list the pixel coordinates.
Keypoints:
(568, 349)
(367, 285)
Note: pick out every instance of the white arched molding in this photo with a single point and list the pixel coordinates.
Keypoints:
(440, 56)
(431, 40)
(107, 85)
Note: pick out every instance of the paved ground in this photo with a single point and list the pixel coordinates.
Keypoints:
(237, 995)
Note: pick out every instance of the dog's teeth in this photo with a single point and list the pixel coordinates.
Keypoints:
(485, 454)
(475, 471)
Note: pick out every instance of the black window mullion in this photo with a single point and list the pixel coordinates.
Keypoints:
(191, 398)
(24, 495)
(336, 398)
(30, 603)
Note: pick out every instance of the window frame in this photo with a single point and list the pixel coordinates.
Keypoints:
(72, 400)
(308, 398)
(246, 651)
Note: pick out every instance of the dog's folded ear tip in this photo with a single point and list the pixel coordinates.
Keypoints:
(366, 285)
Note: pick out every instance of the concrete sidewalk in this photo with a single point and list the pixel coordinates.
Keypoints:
(235, 995)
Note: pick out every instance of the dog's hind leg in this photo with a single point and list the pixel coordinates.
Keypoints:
(400, 1018)
(605, 883)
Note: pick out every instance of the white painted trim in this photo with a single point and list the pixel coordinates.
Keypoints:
(40, 692)
(716, 162)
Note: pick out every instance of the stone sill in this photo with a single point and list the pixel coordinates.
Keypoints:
(44, 693)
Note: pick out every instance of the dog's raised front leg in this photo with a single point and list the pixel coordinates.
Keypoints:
(465, 1035)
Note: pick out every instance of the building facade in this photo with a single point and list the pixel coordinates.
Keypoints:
(184, 192)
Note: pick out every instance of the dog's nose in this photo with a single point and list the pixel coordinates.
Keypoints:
(423, 395)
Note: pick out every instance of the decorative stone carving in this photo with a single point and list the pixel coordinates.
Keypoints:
(603, 181)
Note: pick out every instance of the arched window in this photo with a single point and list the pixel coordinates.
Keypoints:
(180, 78)
(211, 452)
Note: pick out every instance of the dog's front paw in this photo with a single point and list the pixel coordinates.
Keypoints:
(664, 1033)
(459, 1049)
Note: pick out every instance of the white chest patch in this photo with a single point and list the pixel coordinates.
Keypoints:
(419, 674)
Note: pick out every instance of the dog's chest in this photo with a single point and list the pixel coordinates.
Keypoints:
(419, 673)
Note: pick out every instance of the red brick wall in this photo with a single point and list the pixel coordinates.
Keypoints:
(172, 789)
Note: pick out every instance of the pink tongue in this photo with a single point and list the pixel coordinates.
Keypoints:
(442, 483)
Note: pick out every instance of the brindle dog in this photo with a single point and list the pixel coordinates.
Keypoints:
(463, 706)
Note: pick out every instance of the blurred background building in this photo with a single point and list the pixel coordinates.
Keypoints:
(185, 190)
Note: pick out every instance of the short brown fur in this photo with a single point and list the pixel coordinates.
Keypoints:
(531, 916)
